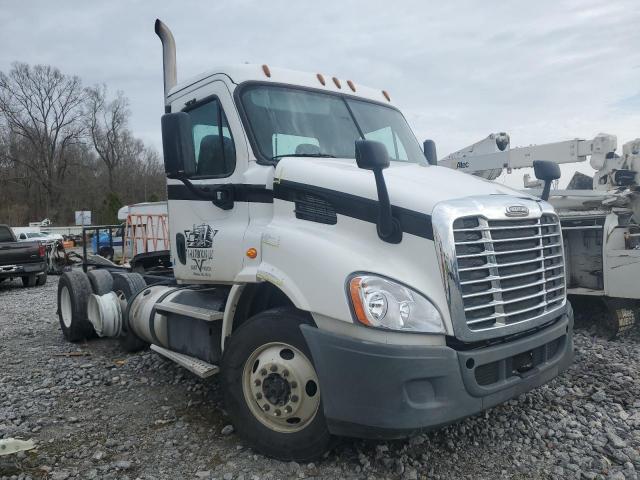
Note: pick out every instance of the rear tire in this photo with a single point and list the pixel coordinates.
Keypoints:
(284, 426)
(129, 284)
(101, 281)
(29, 280)
(73, 294)
(42, 279)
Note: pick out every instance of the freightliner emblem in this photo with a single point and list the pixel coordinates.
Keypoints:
(517, 211)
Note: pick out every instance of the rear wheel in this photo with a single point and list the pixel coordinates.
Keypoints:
(42, 279)
(128, 285)
(73, 294)
(271, 387)
(101, 281)
(29, 280)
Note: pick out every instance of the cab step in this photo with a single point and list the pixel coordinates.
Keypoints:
(189, 311)
(194, 365)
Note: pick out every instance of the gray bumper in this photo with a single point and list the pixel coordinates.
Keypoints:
(374, 390)
(22, 269)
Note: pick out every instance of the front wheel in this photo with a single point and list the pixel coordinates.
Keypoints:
(271, 387)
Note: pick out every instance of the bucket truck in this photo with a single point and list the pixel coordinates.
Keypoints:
(600, 225)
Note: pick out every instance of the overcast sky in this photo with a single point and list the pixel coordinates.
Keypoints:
(540, 70)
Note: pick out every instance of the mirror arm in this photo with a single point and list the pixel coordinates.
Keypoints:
(222, 196)
(546, 190)
(388, 227)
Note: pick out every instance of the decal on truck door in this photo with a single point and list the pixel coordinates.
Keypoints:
(200, 249)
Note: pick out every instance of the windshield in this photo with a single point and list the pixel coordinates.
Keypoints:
(287, 121)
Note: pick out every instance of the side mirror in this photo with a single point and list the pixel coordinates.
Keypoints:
(430, 152)
(371, 155)
(177, 145)
(547, 172)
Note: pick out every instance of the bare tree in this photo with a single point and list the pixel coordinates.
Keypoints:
(42, 106)
(57, 137)
(108, 130)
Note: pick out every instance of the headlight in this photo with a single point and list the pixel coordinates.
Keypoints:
(379, 302)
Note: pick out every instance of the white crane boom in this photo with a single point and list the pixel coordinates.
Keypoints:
(490, 156)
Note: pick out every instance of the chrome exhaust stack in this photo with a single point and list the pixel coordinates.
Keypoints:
(168, 57)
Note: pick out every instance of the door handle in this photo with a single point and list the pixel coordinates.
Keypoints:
(223, 197)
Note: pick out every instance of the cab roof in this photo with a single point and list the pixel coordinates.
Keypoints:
(263, 73)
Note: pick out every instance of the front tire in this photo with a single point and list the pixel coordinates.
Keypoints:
(271, 388)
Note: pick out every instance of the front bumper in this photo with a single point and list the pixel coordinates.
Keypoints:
(375, 390)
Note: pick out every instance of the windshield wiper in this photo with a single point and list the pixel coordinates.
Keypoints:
(315, 155)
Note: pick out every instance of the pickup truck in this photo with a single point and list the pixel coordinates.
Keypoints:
(21, 259)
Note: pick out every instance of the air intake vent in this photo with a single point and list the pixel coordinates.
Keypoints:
(315, 209)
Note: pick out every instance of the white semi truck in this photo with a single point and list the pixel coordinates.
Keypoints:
(338, 283)
(600, 223)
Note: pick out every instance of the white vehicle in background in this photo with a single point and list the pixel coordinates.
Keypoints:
(53, 236)
(600, 223)
(338, 283)
(30, 234)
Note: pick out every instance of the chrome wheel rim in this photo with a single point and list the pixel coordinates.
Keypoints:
(281, 387)
(65, 306)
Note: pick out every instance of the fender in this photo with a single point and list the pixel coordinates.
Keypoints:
(230, 312)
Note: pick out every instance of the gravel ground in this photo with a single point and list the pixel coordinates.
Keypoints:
(112, 415)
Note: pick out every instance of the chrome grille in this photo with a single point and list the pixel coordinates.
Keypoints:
(509, 270)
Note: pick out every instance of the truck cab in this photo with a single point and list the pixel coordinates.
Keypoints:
(338, 282)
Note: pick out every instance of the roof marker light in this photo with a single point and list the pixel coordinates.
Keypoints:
(321, 79)
(267, 72)
(386, 95)
(351, 85)
(337, 82)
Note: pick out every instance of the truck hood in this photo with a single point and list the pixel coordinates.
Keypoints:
(411, 186)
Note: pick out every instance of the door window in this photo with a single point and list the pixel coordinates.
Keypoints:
(212, 140)
(5, 235)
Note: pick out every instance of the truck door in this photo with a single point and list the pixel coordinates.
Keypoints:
(206, 235)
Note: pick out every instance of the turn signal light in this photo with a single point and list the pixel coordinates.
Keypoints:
(252, 253)
(356, 300)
